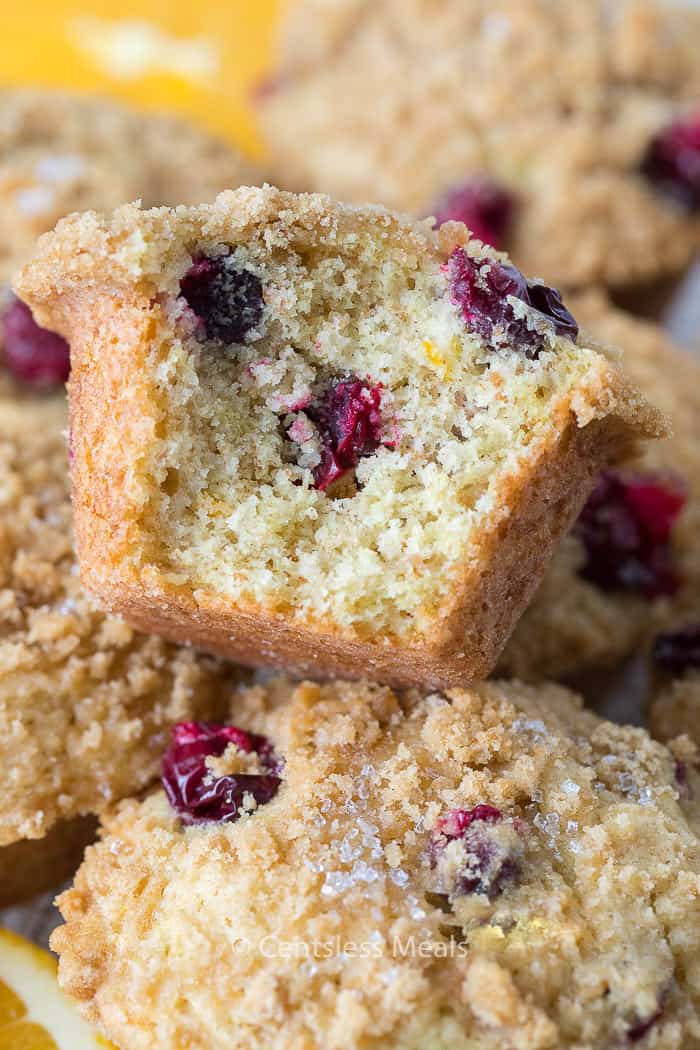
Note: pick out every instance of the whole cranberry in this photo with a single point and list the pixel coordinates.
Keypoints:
(482, 205)
(195, 793)
(625, 528)
(227, 299)
(484, 289)
(33, 355)
(672, 162)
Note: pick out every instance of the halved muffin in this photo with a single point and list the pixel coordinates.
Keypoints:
(321, 436)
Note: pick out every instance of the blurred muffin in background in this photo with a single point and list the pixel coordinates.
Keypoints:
(631, 565)
(567, 133)
(61, 153)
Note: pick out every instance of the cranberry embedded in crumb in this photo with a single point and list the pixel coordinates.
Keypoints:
(488, 854)
(678, 652)
(484, 290)
(672, 162)
(200, 797)
(642, 1028)
(32, 354)
(227, 299)
(626, 527)
(349, 423)
(456, 822)
(482, 205)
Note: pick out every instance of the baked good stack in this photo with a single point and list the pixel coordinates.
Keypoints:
(369, 451)
(86, 702)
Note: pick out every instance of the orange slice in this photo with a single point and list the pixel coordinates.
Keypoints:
(34, 1013)
(200, 60)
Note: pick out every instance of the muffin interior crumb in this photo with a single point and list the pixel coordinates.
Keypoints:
(236, 498)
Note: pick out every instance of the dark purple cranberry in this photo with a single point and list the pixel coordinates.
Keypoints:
(482, 205)
(490, 858)
(226, 299)
(641, 1028)
(349, 423)
(484, 289)
(626, 527)
(548, 302)
(672, 162)
(33, 355)
(195, 794)
(678, 652)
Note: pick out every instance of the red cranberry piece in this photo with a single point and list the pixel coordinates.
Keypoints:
(490, 851)
(33, 355)
(678, 652)
(484, 289)
(672, 162)
(626, 527)
(350, 426)
(482, 205)
(195, 793)
(456, 821)
(227, 299)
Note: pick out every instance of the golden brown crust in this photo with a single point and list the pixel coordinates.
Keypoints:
(95, 281)
(463, 648)
(190, 938)
(29, 867)
(571, 624)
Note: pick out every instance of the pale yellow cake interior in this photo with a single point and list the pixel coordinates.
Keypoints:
(230, 503)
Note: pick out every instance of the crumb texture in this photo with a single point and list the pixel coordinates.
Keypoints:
(325, 414)
(572, 624)
(491, 868)
(86, 702)
(564, 104)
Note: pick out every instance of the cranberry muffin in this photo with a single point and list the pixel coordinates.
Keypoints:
(631, 566)
(567, 133)
(338, 441)
(62, 153)
(86, 703)
(346, 867)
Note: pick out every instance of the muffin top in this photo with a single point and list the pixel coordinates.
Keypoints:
(351, 867)
(567, 133)
(86, 702)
